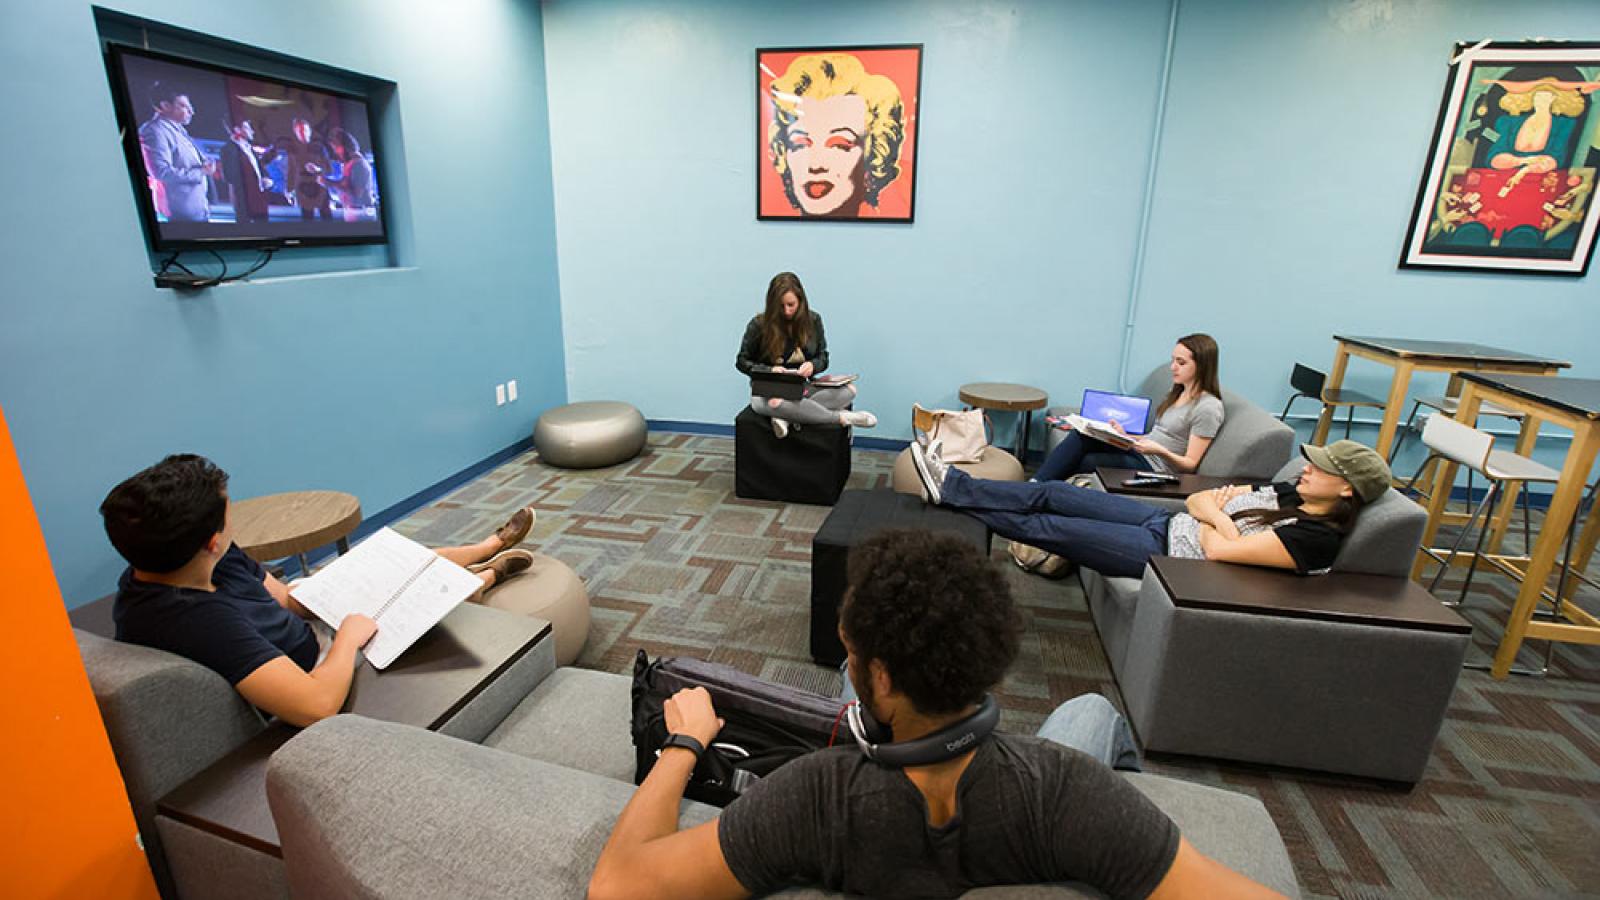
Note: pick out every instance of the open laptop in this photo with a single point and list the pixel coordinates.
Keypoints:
(1132, 413)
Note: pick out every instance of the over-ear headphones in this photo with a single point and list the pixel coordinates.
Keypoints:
(949, 742)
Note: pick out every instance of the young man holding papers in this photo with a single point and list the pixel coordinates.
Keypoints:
(189, 590)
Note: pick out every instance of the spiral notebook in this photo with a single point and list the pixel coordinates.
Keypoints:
(405, 587)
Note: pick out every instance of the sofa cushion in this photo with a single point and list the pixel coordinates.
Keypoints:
(577, 718)
(374, 809)
(1386, 536)
(1252, 443)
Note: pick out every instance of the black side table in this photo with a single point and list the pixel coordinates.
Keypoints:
(859, 515)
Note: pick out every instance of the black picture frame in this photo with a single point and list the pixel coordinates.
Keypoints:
(1473, 211)
(883, 197)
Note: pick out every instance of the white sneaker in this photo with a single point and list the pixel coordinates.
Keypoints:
(858, 418)
(780, 427)
(931, 469)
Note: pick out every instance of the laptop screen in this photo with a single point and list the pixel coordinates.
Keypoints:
(1132, 413)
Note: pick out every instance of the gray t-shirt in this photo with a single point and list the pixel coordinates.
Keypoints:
(1201, 417)
(1028, 811)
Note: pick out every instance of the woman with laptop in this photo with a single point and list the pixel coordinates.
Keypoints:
(1187, 421)
(787, 339)
(1298, 525)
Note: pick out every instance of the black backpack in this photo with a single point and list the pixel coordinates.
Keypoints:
(766, 724)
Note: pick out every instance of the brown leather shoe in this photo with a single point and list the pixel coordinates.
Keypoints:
(517, 527)
(506, 563)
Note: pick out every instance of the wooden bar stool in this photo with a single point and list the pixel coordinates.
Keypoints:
(1447, 404)
(1308, 382)
(1467, 446)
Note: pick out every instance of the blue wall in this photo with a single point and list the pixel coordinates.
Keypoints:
(1017, 268)
(377, 381)
(1293, 139)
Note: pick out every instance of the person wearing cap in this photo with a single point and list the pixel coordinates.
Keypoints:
(1296, 525)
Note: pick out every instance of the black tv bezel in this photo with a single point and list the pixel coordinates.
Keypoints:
(137, 175)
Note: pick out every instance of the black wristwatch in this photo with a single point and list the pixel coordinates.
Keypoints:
(686, 742)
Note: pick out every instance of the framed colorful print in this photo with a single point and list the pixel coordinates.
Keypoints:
(1510, 182)
(836, 132)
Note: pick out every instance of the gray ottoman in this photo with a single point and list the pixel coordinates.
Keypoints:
(589, 435)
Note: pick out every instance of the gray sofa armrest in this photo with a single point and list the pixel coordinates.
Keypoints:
(168, 718)
(373, 809)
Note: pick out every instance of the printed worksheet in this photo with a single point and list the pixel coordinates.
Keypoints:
(405, 587)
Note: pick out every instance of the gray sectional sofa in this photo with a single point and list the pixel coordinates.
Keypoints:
(371, 809)
(516, 802)
(1338, 696)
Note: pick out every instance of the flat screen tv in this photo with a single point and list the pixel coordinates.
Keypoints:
(225, 158)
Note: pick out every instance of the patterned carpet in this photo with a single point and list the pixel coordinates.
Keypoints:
(674, 563)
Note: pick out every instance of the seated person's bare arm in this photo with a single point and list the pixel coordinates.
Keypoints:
(647, 856)
(299, 697)
(280, 593)
(1264, 548)
(1192, 454)
(1207, 507)
(1193, 874)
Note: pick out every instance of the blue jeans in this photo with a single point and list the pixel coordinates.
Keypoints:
(1087, 723)
(1110, 534)
(1077, 453)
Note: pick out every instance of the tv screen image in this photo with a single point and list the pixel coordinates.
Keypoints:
(223, 157)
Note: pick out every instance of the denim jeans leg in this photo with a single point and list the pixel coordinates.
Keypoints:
(1089, 723)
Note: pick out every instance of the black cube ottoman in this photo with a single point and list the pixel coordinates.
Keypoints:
(811, 465)
(857, 516)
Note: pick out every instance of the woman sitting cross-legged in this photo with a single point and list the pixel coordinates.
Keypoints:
(1297, 525)
(787, 337)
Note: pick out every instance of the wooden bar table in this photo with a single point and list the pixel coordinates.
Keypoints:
(1572, 403)
(1407, 356)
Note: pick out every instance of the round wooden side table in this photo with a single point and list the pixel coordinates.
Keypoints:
(1002, 397)
(293, 524)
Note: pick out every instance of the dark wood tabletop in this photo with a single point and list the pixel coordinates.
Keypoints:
(426, 685)
(1384, 600)
(1113, 479)
(1579, 396)
(1456, 351)
(1003, 397)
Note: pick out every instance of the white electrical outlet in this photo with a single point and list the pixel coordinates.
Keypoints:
(499, 395)
(511, 390)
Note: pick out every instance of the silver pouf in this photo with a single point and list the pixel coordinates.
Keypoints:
(589, 435)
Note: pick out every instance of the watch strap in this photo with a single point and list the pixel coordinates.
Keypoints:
(686, 742)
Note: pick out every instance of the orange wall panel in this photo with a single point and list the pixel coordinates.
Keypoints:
(67, 829)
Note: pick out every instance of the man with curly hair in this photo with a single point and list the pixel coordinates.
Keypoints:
(930, 628)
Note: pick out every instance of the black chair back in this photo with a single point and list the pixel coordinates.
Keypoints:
(1307, 380)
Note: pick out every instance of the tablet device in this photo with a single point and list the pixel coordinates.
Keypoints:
(1132, 413)
(783, 385)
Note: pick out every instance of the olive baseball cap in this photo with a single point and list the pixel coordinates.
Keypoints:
(1356, 463)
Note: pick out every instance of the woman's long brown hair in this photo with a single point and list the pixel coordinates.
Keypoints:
(1204, 348)
(778, 334)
